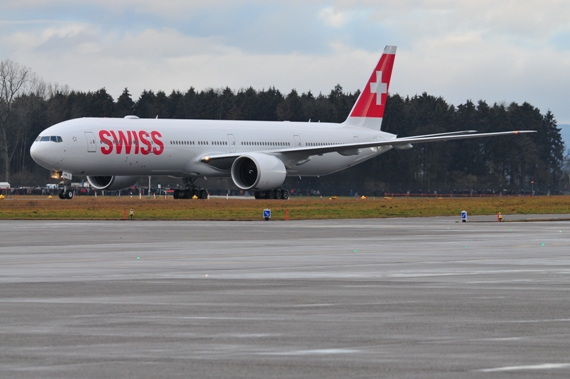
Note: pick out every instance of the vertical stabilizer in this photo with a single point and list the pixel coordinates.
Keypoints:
(369, 108)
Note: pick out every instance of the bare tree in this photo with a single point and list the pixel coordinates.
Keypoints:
(15, 80)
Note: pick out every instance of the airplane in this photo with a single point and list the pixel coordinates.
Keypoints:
(258, 155)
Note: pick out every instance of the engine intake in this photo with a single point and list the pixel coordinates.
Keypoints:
(258, 171)
(112, 183)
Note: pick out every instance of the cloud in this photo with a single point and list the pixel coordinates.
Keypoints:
(333, 18)
(498, 51)
(164, 59)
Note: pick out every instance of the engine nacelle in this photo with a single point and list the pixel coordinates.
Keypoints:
(112, 183)
(258, 171)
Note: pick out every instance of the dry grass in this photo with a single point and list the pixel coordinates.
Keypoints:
(113, 208)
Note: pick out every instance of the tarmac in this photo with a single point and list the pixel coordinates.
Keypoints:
(371, 298)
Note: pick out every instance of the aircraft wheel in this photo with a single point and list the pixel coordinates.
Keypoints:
(203, 194)
(278, 194)
(69, 194)
(285, 194)
(270, 194)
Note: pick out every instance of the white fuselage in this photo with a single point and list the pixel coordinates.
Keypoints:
(136, 147)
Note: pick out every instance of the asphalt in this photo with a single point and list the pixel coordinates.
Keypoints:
(390, 298)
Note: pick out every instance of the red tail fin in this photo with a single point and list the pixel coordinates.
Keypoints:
(369, 108)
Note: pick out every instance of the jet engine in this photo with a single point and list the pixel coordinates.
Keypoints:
(112, 182)
(258, 171)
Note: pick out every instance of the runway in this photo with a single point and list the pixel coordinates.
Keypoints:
(389, 298)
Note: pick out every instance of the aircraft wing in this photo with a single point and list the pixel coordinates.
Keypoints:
(292, 156)
(447, 134)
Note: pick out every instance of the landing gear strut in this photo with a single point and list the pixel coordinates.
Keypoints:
(190, 192)
(278, 194)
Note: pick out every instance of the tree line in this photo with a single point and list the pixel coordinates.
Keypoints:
(28, 106)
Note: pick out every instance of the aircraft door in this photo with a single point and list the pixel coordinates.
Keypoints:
(297, 141)
(91, 145)
(232, 142)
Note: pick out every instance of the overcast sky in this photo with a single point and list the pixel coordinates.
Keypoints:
(496, 50)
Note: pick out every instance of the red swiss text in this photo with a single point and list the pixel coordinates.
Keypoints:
(131, 142)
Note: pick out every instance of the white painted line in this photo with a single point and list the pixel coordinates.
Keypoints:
(313, 352)
(545, 366)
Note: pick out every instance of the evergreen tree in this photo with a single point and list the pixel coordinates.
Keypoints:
(552, 151)
(175, 105)
(125, 105)
(189, 104)
(146, 106)
(99, 104)
(291, 109)
(245, 105)
(268, 102)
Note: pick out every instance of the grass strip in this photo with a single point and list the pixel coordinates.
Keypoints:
(114, 208)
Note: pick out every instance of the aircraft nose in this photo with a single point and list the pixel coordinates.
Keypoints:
(34, 151)
(39, 154)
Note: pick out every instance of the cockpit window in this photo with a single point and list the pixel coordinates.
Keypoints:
(56, 139)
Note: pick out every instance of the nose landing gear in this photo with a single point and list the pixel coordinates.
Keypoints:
(66, 194)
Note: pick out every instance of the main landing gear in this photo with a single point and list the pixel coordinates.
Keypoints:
(190, 191)
(278, 194)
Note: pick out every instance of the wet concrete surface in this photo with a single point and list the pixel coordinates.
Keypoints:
(402, 298)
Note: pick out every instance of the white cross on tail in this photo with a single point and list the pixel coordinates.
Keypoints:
(378, 87)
